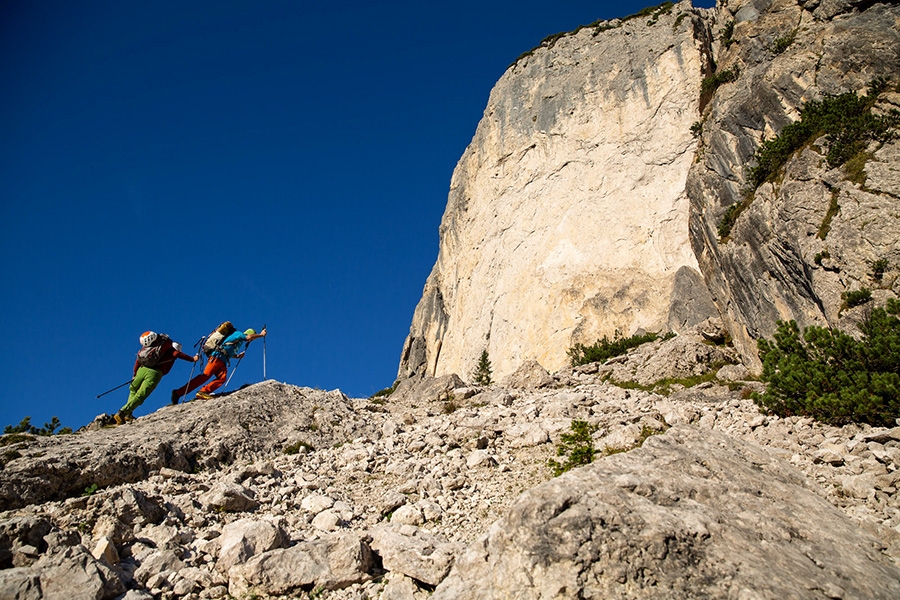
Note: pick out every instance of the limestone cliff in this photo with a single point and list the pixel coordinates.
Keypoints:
(589, 198)
(812, 235)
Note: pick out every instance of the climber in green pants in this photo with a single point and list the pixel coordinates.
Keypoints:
(155, 358)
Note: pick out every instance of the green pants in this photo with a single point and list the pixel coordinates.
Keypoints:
(143, 384)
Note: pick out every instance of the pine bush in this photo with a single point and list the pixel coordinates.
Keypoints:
(25, 426)
(847, 122)
(604, 349)
(577, 447)
(833, 377)
(482, 374)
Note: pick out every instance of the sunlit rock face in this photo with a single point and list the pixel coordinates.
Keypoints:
(590, 200)
(567, 218)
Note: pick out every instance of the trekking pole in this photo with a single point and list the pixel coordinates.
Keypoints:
(233, 371)
(193, 366)
(264, 353)
(115, 388)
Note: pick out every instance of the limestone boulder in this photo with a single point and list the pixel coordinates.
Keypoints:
(428, 389)
(414, 552)
(18, 532)
(530, 374)
(333, 562)
(228, 496)
(243, 539)
(72, 573)
(20, 583)
(401, 587)
(687, 355)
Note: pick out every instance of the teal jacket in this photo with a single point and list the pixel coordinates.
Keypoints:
(230, 346)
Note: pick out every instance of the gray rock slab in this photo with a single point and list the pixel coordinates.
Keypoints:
(20, 583)
(73, 574)
(414, 552)
(333, 562)
(185, 438)
(529, 375)
(227, 496)
(690, 514)
(428, 389)
(246, 538)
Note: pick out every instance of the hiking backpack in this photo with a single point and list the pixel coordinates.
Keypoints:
(214, 340)
(153, 355)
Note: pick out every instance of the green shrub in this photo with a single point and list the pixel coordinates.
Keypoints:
(663, 9)
(855, 168)
(846, 121)
(9, 439)
(295, 447)
(7, 456)
(605, 349)
(726, 34)
(783, 43)
(831, 376)
(386, 391)
(878, 268)
(577, 447)
(551, 40)
(856, 298)
(653, 12)
(482, 374)
(726, 223)
(712, 83)
(664, 386)
(25, 426)
(833, 208)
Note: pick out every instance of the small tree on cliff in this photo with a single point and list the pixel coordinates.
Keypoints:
(482, 373)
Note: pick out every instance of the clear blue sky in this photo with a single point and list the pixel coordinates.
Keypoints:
(170, 165)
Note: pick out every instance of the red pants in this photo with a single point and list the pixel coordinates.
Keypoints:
(215, 366)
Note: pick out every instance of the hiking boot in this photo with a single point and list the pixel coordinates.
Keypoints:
(129, 418)
(203, 396)
(175, 396)
(119, 419)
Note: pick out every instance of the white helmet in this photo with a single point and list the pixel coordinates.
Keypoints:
(147, 338)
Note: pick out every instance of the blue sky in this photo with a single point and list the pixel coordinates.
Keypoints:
(170, 165)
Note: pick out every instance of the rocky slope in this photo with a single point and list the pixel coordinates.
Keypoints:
(585, 205)
(588, 203)
(276, 491)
